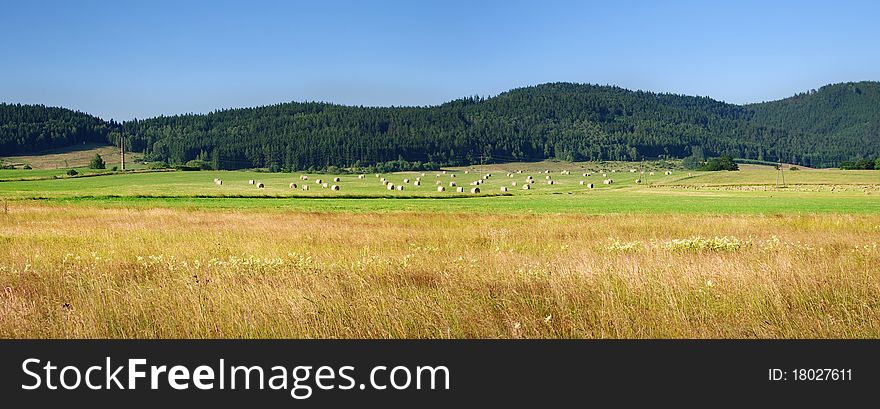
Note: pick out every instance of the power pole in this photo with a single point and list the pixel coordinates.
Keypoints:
(121, 153)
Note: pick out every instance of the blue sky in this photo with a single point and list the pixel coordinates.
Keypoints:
(138, 59)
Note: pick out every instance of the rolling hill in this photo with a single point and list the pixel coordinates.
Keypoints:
(556, 120)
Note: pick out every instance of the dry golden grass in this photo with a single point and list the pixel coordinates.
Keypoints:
(70, 272)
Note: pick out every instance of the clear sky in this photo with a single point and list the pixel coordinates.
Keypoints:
(126, 59)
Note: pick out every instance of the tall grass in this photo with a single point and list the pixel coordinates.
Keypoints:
(72, 272)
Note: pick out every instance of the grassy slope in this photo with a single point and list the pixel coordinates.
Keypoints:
(76, 156)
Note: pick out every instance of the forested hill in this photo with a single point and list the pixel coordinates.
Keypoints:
(29, 128)
(559, 120)
(833, 116)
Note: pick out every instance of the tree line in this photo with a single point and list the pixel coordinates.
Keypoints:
(550, 121)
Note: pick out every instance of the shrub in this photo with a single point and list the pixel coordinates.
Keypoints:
(72, 172)
(97, 162)
(723, 162)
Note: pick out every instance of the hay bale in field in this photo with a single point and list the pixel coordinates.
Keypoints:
(668, 172)
(547, 177)
(334, 187)
(305, 187)
(417, 183)
(318, 181)
(528, 177)
(251, 182)
(452, 175)
(613, 170)
(438, 183)
(527, 186)
(399, 187)
(218, 182)
(423, 174)
(383, 180)
(589, 185)
(519, 171)
(260, 185)
(604, 175)
(503, 189)
(638, 181)
(475, 190)
(406, 181)
(444, 172)
(377, 175)
(651, 173)
(689, 174)
(418, 178)
(451, 184)
(303, 177)
(632, 171)
(510, 175)
(513, 183)
(549, 182)
(390, 186)
(486, 177)
(336, 179)
(293, 185)
(441, 189)
(466, 172)
(459, 189)
(608, 181)
(361, 176)
(325, 185)
(583, 183)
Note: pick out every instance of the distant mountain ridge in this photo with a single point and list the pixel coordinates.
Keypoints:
(555, 120)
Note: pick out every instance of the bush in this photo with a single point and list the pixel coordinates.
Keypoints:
(157, 165)
(793, 168)
(97, 162)
(72, 172)
(723, 162)
(115, 168)
(197, 164)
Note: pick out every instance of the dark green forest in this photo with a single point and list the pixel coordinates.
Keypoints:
(564, 121)
(32, 128)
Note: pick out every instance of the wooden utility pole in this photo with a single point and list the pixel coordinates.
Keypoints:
(121, 153)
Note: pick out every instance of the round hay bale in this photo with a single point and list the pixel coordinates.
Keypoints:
(336, 179)
(510, 175)
(417, 183)
(334, 187)
(406, 181)
(423, 174)
(638, 181)
(325, 185)
(452, 175)
(549, 182)
(668, 172)
(441, 189)
(589, 185)
(251, 182)
(438, 183)
(526, 186)
(390, 186)
(583, 183)
(466, 172)
(459, 189)
(451, 184)
(513, 183)
(305, 187)
(651, 173)
(475, 190)
(399, 187)
(318, 181)
(293, 185)
(546, 170)
(503, 189)
(529, 177)
(361, 176)
(219, 182)
(547, 177)
(260, 185)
